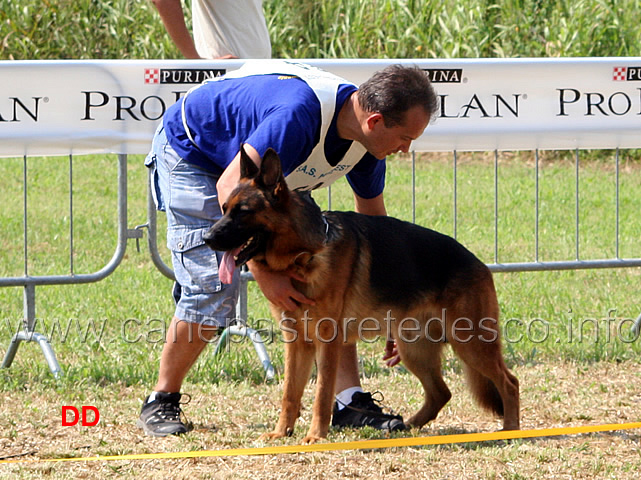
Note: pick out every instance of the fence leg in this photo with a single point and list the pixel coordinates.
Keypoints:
(28, 334)
(257, 341)
(11, 351)
(241, 306)
(242, 330)
(242, 313)
(636, 328)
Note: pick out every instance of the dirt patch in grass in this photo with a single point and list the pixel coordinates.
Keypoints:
(234, 415)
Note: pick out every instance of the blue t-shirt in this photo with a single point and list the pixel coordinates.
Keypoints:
(266, 111)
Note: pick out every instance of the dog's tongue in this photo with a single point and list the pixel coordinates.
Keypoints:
(227, 266)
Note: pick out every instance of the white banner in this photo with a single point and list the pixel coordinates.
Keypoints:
(112, 106)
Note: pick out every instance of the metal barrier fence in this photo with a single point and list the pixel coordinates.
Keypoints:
(534, 263)
(29, 282)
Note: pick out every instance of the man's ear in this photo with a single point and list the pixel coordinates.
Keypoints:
(373, 119)
(248, 168)
(271, 175)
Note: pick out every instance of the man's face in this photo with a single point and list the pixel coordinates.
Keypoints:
(383, 141)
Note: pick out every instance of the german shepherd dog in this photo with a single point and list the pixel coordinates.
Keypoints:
(368, 276)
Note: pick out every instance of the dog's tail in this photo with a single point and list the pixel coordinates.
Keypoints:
(483, 390)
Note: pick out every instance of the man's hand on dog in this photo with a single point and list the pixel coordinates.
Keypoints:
(278, 289)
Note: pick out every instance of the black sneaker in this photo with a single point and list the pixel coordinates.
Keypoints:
(161, 417)
(363, 411)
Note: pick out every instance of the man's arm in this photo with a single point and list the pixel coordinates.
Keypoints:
(173, 17)
(370, 206)
(230, 177)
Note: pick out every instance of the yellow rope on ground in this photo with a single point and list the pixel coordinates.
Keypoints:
(356, 445)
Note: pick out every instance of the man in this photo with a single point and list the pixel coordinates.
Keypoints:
(222, 28)
(323, 128)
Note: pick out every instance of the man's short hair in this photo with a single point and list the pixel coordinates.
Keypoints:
(396, 89)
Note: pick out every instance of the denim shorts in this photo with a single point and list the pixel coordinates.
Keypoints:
(187, 194)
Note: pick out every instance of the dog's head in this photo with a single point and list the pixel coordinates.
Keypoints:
(251, 213)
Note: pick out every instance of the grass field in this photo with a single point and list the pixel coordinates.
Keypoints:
(566, 334)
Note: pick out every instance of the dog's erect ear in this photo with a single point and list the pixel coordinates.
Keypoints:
(271, 175)
(248, 168)
(270, 169)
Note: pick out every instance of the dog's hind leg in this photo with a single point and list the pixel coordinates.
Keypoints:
(492, 384)
(299, 360)
(479, 348)
(423, 359)
(494, 387)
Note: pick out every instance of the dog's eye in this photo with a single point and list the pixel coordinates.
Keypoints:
(239, 209)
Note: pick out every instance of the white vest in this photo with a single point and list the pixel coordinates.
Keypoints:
(316, 171)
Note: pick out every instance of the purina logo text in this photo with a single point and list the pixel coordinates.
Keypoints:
(444, 75)
(181, 75)
(626, 74)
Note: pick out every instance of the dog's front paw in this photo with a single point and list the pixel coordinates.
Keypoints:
(309, 439)
(276, 434)
(270, 436)
(315, 435)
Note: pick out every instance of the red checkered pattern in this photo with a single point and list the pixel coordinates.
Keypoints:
(152, 75)
(619, 74)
